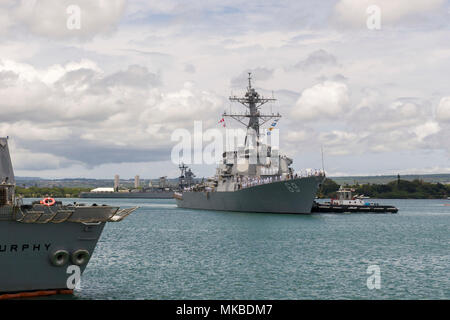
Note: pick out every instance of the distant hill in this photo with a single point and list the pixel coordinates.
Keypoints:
(432, 178)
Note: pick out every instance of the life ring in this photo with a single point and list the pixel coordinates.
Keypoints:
(80, 257)
(59, 258)
(48, 202)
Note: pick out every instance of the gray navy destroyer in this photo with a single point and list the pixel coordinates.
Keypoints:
(255, 177)
(39, 241)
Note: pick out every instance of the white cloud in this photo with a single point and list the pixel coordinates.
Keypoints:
(324, 100)
(29, 160)
(317, 60)
(137, 8)
(259, 73)
(24, 159)
(99, 115)
(353, 12)
(443, 110)
(399, 114)
(116, 98)
(5, 20)
(340, 142)
(426, 129)
(28, 73)
(49, 18)
(27, 130)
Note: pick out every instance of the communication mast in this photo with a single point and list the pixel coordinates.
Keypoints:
(253, 102)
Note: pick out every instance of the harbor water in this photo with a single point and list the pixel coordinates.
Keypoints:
(163, 252)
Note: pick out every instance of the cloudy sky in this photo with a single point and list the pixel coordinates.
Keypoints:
(105, 98)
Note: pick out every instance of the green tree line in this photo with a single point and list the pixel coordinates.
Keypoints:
(55, 192)
(400, 189)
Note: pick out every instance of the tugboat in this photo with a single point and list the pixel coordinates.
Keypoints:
(254, 178)
(43, 243)
(347, 202)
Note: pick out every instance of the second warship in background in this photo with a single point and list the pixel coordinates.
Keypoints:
(43, 243)
(254, 178)
(162, 190)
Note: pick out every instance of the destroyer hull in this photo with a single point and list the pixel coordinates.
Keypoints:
(127, 195)
(26, 250)
(291, 196)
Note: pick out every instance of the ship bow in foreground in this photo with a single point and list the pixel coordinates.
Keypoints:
(48, 248)
(45, 246)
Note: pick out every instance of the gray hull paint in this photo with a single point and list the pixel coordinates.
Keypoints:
(30, 234)
(25, 251)
(276, 197)
(127, 195)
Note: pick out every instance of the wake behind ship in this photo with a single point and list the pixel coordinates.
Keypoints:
(40, 241)
(255, 178)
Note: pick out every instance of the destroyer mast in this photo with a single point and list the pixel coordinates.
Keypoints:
(253, 102)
